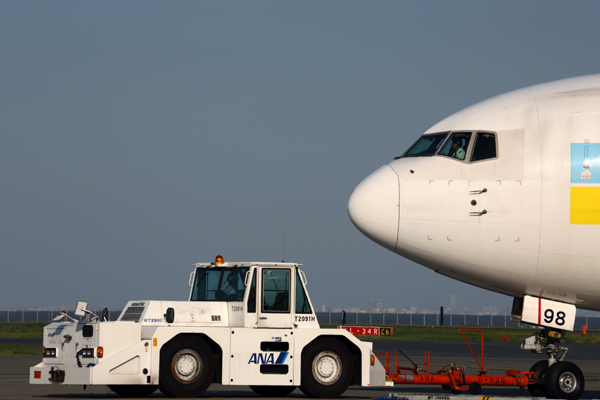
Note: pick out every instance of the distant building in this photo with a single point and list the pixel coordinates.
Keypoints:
(453, 305)
(490, 310)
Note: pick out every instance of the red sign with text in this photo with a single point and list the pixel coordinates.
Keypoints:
(369, 330)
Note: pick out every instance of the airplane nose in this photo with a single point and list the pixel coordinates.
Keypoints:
(374, 207)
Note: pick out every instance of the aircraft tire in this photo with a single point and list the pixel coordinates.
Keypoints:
(564, 380)
(187, 367)
(273, 391)
(539, 369)
(327, 368)
(133, 390)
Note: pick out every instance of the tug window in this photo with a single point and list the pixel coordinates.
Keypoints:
(252, 295)
(276, 290)
(456, 146)
(485, 146)
(219, 284)
(302, 305)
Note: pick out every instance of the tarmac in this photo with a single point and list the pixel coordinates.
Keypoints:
(498, 357)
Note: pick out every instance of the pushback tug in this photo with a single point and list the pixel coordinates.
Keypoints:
(246, 323)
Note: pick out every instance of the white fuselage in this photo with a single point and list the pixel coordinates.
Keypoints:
(525, 222)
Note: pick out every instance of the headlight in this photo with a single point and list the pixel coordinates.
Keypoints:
(87, 353)
(49, 352)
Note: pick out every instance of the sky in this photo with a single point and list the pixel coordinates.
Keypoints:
(138, 138)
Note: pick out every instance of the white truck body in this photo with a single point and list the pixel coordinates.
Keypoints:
(246, 323)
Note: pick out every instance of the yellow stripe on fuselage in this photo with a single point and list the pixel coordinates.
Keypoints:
(585, 205)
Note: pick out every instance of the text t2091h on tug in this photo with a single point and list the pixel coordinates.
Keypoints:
(246, 323)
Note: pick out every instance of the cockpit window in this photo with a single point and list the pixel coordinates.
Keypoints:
(456, 146)
(485, 146)
(426, 146)
(469, 146)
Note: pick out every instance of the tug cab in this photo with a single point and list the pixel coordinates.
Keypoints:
(265, 295)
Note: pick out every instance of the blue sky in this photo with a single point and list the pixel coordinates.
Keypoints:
(138, 138)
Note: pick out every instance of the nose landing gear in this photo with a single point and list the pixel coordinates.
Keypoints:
(555, 378)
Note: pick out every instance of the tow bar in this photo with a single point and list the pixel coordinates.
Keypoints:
(452, 377)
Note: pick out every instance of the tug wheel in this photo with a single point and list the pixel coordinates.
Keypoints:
(133, 390)
(273, 391)
(564, 380)
(327, 368)
(187, 367)
(539, 369)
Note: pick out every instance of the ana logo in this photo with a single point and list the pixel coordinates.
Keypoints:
(140, 304)
(268, 358)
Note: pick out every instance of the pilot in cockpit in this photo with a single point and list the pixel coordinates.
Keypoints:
(457, 149)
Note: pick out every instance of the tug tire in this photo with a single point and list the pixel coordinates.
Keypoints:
(187, 367)
(327, 368)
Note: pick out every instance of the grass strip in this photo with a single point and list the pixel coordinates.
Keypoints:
(19, 350)
(22, 329)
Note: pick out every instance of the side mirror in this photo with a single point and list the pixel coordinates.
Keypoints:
(170, 315)
(81, 308)
(343, 317)
(105, 315)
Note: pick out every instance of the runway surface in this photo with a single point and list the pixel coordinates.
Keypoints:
(498, 357)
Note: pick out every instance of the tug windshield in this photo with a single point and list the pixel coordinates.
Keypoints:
(219, 284)
(426, 146)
